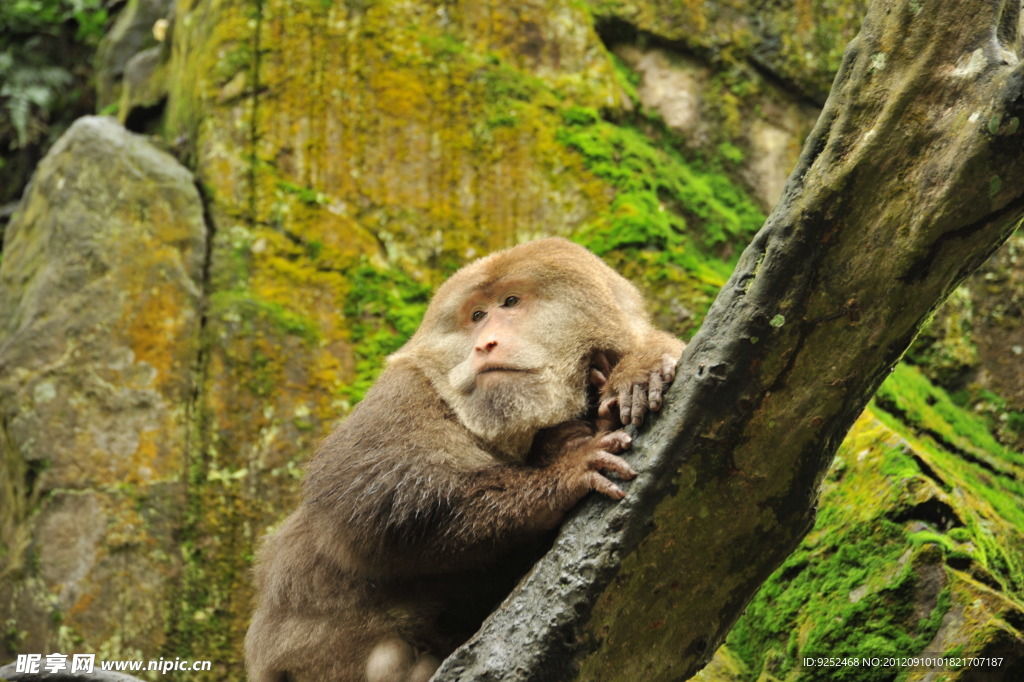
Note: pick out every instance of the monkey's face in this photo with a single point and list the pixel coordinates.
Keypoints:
(523, 366)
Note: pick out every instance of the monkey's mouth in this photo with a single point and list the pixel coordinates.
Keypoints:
(504, 368)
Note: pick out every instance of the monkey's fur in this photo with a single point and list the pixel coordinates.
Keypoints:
(424, 507)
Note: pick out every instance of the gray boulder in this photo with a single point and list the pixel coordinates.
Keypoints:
(100, 288)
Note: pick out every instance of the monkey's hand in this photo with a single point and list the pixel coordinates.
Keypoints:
(637, 383)
(583, 463)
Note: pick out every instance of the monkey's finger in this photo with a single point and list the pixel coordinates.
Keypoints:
(601, 363)
(607, 462)
(597, 378)
(626, 404)
(615, 441)
(654, 391)
(639, 404)
(668, 367)
(577, 442)
(605, 487)
(604, 410)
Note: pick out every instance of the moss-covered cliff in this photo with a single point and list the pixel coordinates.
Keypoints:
(349, 155)
(917, 552)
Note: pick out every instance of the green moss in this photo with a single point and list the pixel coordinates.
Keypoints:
(841, 596)
(672, 223)
(1015, 421)
(945, 345)
(239, 58)
(313, 249)
(662, 201)
(629, 79)
(856, 585)
(960, 534)
(443, 47)
(502, 120)
(731, 153)
(923, 537)
(245, 308)
(851, 587)
(986, 479)
(306, 195)
(581, 116)
(958, 347)
(384, 308)
(503, 83)
(928, 409)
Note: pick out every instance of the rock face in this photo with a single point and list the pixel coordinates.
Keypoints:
(100, 287)
(799, 43)
(686, 94)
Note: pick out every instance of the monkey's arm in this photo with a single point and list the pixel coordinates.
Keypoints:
(637, 381)
(414, 514)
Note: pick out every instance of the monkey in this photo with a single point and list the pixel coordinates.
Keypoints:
(442, 487)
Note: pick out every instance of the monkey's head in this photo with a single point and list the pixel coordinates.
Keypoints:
(507, 341)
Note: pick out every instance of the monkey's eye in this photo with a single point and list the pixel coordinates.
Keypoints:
(511, 301)
(478, 315)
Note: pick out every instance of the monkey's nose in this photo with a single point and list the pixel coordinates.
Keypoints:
(487, 346)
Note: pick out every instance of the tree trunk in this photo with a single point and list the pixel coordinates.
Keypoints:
(907, 183)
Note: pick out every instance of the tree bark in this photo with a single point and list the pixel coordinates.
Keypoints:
(907, 183)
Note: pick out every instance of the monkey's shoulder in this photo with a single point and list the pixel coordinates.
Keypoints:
(404, 424)
(402, 399)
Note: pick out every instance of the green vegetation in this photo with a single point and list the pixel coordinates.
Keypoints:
(972, 333)
(661, 200)
(383, 309)
(931, 411)
(43, 45)
(985, 476)
(919, 488)
(32, 70)
(849, 589)
(242, 308)
(945, 345)
(674, 225)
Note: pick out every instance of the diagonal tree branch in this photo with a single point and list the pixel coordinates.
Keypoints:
(905, 186)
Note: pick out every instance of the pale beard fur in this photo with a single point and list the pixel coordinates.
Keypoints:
(507, 409)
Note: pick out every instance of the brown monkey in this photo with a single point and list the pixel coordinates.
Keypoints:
(421, 511)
